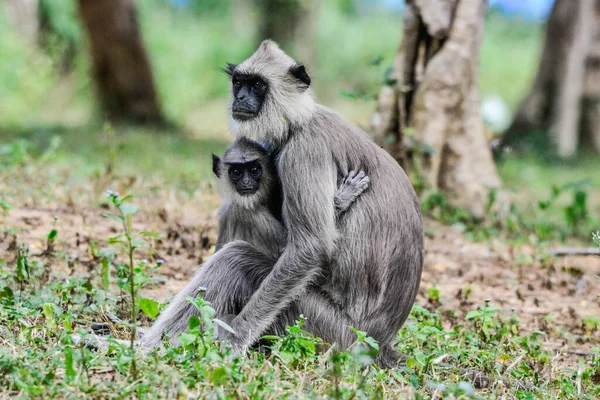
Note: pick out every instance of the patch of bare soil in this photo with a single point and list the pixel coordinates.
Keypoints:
(187, 238)
(552, 295)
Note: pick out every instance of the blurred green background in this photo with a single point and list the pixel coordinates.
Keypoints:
(46, 91)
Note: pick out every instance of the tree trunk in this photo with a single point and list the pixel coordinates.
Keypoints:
(121, 68)
(291, 24)
(563, 100)
(590, 128)
(437, 115)
(23, 15)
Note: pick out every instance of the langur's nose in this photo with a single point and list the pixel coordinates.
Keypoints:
(241, 95)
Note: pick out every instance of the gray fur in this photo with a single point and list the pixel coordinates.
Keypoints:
(370, 266)
(250, 240)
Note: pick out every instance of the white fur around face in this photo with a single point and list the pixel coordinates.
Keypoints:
(285, 104)
(250, 203)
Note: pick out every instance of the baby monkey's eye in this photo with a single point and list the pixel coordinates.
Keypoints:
(258, 85)
(235, 173)
(237, 84)
(254, 170)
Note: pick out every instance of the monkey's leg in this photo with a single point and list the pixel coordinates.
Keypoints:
(228, 279)
(328, 322)
(323, 319)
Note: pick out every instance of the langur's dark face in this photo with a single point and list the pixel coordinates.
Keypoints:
(245, 177)
(249, 93)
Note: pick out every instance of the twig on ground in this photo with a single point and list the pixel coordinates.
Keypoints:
(479, 379)
(572, 251)
(572, 352)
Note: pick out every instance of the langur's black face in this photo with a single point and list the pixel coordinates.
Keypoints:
(245, 177)
(249, 93)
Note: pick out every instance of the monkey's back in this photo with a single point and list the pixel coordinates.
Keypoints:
(257, 226)
(376, 270)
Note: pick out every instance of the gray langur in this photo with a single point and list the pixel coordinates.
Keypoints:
(252, 196)
(251, 212)
(361, 270)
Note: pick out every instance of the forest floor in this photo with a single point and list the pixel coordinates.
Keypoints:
(551, 294)
(555, 298)
(491, 299)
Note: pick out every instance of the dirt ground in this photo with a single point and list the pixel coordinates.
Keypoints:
(550, 295)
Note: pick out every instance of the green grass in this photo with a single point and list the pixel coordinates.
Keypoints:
(42, 306)
(50, 141)
(509, 58)
(39, 358)
(534, 174)
(168, 155)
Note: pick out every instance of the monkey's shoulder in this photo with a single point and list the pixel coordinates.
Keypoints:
(328, 137)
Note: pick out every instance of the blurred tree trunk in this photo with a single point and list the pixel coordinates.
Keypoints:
(564, 100)
(291, 23)
(23, 14)
(121, 68)
(432, 103)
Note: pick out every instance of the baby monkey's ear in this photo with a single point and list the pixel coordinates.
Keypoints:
(216, 165)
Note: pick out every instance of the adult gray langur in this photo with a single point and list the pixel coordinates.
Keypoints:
(369, 266)
(251, 215)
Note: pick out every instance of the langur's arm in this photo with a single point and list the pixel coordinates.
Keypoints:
(351, 187)
(310, 221)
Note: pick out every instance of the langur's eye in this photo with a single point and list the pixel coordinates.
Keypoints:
(237, 84)
(258, 86)
(254, 171)
(235, 173)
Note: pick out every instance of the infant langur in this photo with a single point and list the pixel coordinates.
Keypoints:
(252, 197)
(251, 212)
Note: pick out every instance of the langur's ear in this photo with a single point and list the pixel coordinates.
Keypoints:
(216, 164)
(229, 69)
(298, 71)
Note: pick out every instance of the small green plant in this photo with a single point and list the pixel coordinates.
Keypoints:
(485, 320)
(4, 206)
(296, 346)
(23, 267)
(201, 330)
(129, 275)
(576, 213)
(433, 294)
(437, 206)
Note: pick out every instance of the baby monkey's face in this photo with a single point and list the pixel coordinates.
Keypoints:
(245, 178)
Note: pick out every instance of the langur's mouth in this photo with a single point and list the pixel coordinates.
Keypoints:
(246, 192)
(243, 115)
